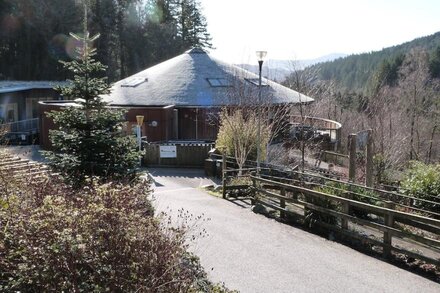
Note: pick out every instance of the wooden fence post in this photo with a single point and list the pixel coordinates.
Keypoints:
(369, 165)
(283, 203)
(294, 176)
(223, 162)
(224, 174)
(254, 185)
(389, 221)
(346, 210)
(352, 157)
(224, 195)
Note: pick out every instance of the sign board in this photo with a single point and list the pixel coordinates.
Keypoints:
(362, 139)
(168, 151)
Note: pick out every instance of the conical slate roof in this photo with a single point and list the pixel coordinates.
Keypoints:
(196, 79)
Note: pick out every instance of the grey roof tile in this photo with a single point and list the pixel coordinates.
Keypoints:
(183, 81)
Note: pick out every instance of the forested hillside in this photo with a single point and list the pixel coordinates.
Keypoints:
(394, 92)
(355, 73)
(135, 34)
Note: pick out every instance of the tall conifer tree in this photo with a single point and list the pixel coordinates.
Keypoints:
(89, 141)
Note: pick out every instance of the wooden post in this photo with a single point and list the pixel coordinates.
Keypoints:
(294, 196)
(389, 221)
(369, 167)
(294, 176)
(254, 185)
(223, 162)
(352, 156)
(224, 174)
(224, 185)
(346, 210)
(283, 203)
(338, 140)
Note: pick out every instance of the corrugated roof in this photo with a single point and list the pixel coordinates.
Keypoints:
(9, 86)
(189, 80)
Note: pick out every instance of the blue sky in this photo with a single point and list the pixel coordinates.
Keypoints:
(292, 29)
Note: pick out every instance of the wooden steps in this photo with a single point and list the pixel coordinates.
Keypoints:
(18, 168)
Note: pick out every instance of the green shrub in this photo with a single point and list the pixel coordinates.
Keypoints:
(423, 181)
(101, 237)
(358, 193)
(238, 132)
(312, 216)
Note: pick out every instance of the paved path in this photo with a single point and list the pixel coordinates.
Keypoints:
(252, 253)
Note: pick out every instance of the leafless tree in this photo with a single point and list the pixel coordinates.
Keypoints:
(306, 84)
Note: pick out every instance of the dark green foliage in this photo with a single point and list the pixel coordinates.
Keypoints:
(388, 72)
(423, 181)
(357, 193)
(134, 34)
(356, 72)
(312, 216)
(100, 238)
(89, 140)
(434, 63)
(33, 37)
(95, 147)
(192, 25)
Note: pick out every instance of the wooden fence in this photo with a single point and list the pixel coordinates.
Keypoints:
(289, 198)
(186, 154)
(402, 201)
(231, 173)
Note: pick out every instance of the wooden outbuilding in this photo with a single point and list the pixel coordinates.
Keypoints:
(181, 97)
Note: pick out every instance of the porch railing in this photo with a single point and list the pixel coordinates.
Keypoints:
(28, 125)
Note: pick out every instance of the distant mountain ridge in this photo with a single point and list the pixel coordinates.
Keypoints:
(355, 72)
(278, 70)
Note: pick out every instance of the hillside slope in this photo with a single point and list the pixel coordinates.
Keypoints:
(355, 72)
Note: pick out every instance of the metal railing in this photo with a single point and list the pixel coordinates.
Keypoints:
(28, 125)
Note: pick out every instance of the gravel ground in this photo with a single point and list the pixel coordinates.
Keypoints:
(252, 253)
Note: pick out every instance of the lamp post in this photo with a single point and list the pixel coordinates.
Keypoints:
(260, 58)
(140, 121)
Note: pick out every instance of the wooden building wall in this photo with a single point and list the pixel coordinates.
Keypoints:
(159, 123)
(46, 124)
(198, 123)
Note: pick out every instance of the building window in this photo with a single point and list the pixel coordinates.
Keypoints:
(255, 81)
(9, 112)
(218, 82)
(11, 116)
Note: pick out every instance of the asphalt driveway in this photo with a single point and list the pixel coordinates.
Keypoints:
(252, 253)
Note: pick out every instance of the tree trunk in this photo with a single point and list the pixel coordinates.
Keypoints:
(434, 129)
(413, 121)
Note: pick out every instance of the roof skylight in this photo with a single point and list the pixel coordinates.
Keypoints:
(255, 81)
(218, 82)
(134, 82)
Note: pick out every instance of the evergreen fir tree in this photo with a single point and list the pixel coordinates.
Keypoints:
(192, 25)
(434, 63)
(89, 140)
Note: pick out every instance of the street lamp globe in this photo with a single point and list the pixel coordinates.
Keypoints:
(261, 55)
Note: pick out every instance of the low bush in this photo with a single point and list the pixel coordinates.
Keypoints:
(101, 237)
(312, 216)
(423, 181)
(357, 193)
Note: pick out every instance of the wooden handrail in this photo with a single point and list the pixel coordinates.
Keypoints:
(367, 188)
(354, 203)
(277, 191)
